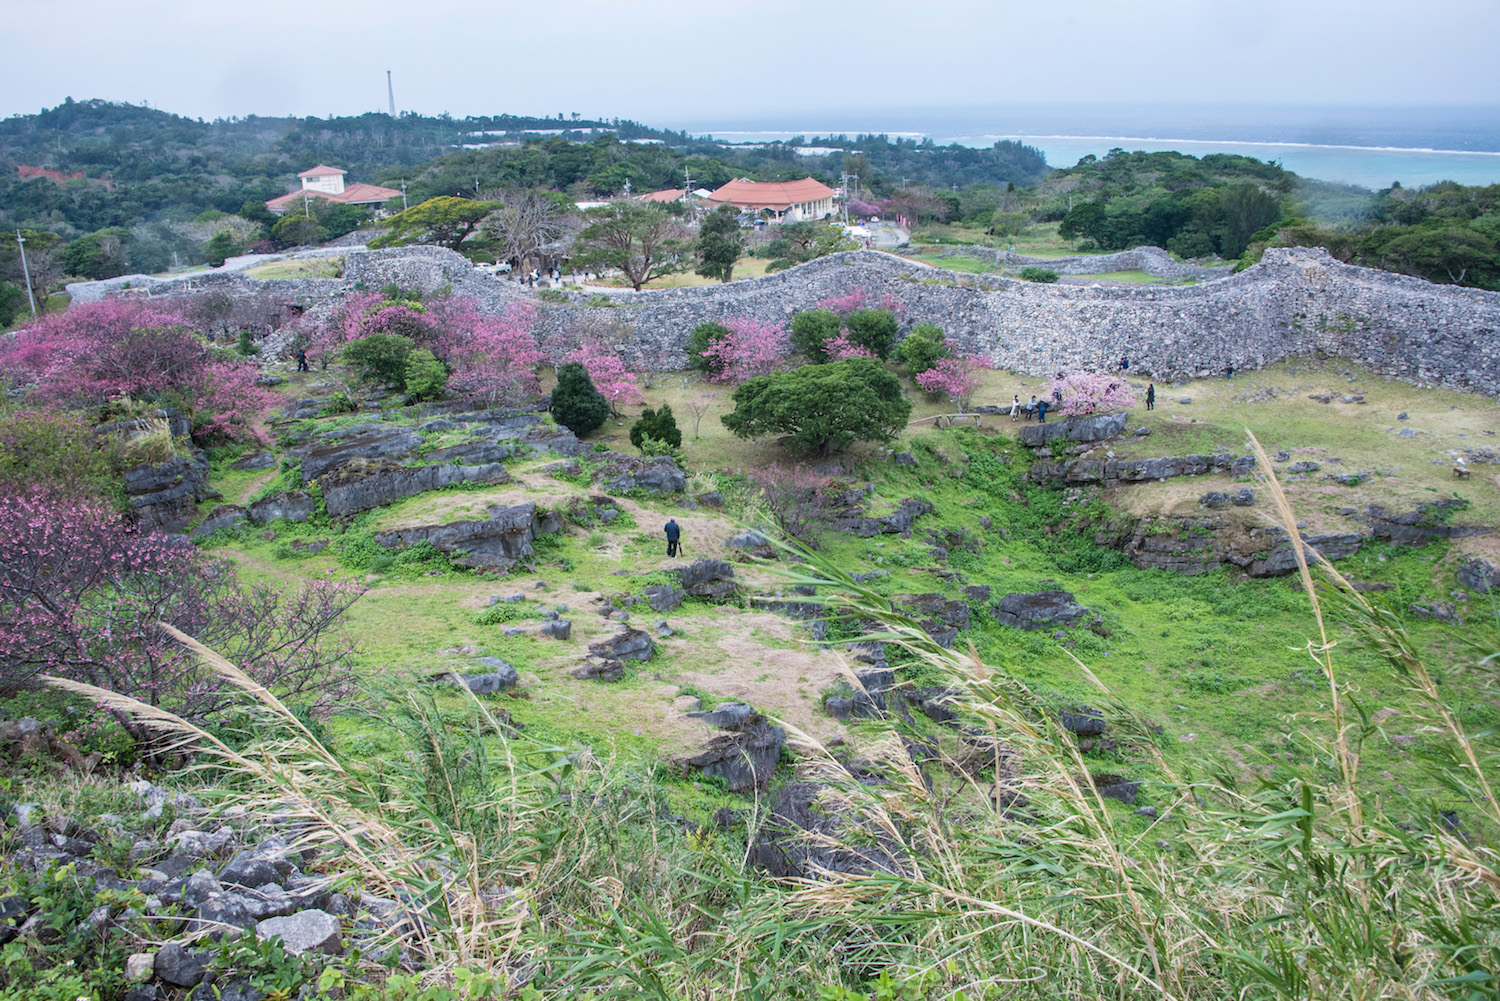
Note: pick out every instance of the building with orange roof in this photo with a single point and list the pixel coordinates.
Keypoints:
(328, 183)
(784, 201)
(664, 195)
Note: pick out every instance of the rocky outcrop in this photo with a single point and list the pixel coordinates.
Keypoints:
(1426, 523)
(1282, 559)
(368, 447)
(1199, 545)
(1108, 472)
(1479, 575)
(165, 496)
(289, 505)
(745, 755)
(898, 522)
(225, 516)
(655, 474)
(351, 489)
(1039, 610)
(814, 831)
(1078, 429)
(706, 578)
(493, 543)
(940, 617)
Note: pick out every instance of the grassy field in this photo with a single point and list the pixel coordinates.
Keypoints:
(1212, 659)
(306, 267)
(745, 267)
(1040, 240)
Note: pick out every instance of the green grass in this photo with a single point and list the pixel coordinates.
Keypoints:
(1138, 277)
(306, 267)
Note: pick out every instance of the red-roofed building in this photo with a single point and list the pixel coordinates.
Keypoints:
(328, 183)
(664, 195)
(785, 201)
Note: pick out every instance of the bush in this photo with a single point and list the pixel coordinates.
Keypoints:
(922, 349)
(380, 358)
(576, 404)
(872, 329)
(658, 425)
(1035, 274)
(824, 408)
(704, 337)
(59, 451)
(425, 378)
(812, 329)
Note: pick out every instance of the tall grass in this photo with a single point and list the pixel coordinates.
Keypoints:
(994, 868)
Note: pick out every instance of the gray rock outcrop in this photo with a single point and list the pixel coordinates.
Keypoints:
(1039, 610)
(351, 489)
(493, 543)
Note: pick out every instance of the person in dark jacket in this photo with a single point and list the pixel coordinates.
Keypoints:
(301, 360)
(1151, 396)
(1041, 411)
(674, 532)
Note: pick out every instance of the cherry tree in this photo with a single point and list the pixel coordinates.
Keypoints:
(82, 593)
(492, 357)
(608, 373)
(750, 348)
(841, 348)
(1086, 393)
(956, 377)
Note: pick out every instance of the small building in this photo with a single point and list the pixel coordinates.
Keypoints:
(783, 201)
(328, 183)
(664, 195)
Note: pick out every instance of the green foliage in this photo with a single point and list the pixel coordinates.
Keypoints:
(719, 243)
(576, 404)
(339, 403)
(1035, 274)
(872, 329)
(12, 302)
(445, 220)
(380, 358)
(658, 425)
(220, 247)
(703, 337)
(246, 345)
(813, 328)
(922, 349)
(506, 611)
(53, 449)
(426, 378)
(266, 964)
(823, 408)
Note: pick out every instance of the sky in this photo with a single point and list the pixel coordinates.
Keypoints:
(675, 63)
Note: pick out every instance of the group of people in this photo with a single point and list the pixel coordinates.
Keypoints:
(1037, 407)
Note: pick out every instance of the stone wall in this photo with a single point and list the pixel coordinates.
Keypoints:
(1296, 301)
(1152, 260)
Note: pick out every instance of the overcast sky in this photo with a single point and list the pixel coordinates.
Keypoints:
(672, 62)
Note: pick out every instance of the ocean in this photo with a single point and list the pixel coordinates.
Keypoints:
(1367, 147)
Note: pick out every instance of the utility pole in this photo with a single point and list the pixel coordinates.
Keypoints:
(627, 187)
(306, 209)
(21, 242)
(403, 194)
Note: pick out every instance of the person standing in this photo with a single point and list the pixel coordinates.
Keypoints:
(1041, 412)
(674, 532)
(1031, 410)
(1229, 371)
(1015, 408)
(1151, 396)
(301, 360)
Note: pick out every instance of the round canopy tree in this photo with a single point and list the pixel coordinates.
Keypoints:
(822, 408)
(576, 404)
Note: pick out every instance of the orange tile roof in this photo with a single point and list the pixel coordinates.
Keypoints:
(664, 195)
(321, 171)
(358, 193)
(771, 194)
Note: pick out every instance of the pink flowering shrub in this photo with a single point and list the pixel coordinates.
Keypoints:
(493, 358)
(860, 299)
(82, 591)
(98, 353)
(1086, 393)
(955, 377)
(750, 348)
(862, 209)
(608, 373)
(842, 348)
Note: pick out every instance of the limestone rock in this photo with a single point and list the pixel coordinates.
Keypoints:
(1039, 610)
(1080, 429)
(305, 931)
(495, 542)
(627, 644)
(289, 505)
(352, 489)
(180, 966)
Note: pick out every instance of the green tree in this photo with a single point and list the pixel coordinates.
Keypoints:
(813, 328)
(642, 241)
(219, 248)
(657, 425)
(380, 358)
(823, 408)
(872, 329)
(1086, 220)
(101, 254)
(12, 302)
(703, 337)
(800, 242)
(923, 348)
(445, 221)
(576, 404)
(425, 376)
(296, 229)
(719, 243)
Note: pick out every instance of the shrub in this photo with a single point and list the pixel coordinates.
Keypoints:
(1035, 274)
(492, 357)
(608, 375)
(59, 451)
(872, 329)
(704, 337)
(954, 377)
(750, 348)
(823, 408)
(923, 348)
(576, 404)
(812, 329)
(425, 376)
(380, 358)
(658, 425)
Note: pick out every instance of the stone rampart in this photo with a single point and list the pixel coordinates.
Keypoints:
(1296, 301)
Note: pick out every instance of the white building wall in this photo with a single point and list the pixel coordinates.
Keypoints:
(333, 184)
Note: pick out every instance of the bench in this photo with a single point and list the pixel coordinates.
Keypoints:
(1461, 472)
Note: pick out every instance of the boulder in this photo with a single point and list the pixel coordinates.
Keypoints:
(370, 447)
(1282, 560)
(1080, 429)
(627, 644)
(706, 578)
(482, 683)
(663, 597)
(493, 543)
(289, 505)
(165, 496)
(729, 716)
(813, 830)
(752, 543)
(744, 758)
(901, 520)
(1116, 787)
(140, 967)
(305, 931)
(180, 966)
(558, 629)
(222, 517)
(255, 461)
(653, 474)
(941, 618)
(1243, 497)
(1478, 575)
(1039, 610)
(1084, 723)
(350, 489)
(599, 669)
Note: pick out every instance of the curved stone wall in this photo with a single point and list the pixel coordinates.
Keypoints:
(1296, 301)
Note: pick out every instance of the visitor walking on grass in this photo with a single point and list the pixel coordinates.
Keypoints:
(674, 532)
(1151, 396)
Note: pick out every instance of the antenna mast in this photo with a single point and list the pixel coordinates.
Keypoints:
(390, 92)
